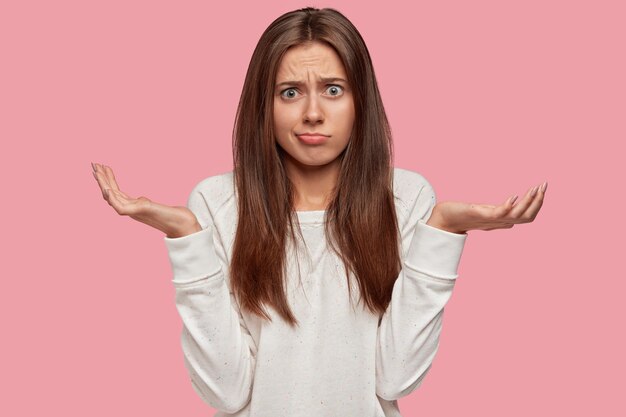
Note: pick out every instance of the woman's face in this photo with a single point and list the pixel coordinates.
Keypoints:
(312, 95)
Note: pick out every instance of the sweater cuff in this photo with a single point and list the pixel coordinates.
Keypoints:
(193, 257)
(435, 252)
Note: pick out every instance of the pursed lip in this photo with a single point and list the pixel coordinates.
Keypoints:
(312, 138)
(311, 134)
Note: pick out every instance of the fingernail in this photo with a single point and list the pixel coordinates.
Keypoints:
(545, 186)
(534, 191)
(513, 200)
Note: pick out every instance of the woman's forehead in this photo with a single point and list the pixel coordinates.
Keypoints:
(311, 61)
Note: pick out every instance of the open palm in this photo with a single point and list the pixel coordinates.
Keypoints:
(461, 217)
(120, 201)
(174, 221)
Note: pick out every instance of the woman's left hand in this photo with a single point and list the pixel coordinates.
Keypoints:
(459, 217)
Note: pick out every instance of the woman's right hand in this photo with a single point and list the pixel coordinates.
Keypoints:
(173, 221)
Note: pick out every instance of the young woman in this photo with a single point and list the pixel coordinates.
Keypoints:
(311, 280)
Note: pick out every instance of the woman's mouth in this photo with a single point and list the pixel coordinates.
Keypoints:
(312, 139)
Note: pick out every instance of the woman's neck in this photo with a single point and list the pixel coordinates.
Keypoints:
(314, 185)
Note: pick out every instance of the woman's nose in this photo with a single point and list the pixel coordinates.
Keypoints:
(313, 112)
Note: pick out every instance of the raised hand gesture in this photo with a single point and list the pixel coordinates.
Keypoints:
(459, 217)
(173, 221)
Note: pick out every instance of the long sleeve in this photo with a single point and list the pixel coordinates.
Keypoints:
(215, 343)
(408, 334)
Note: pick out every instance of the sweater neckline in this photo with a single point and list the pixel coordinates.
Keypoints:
(311, 216)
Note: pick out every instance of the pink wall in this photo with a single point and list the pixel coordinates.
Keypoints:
(486, 98)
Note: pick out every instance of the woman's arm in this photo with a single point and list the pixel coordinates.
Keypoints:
(408, 334)
(217, 346)
(215, 342)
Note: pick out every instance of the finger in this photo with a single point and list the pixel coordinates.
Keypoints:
(508, 205)
(101, 177)
(509, 201)
(535, 206)
(102, 183)
(520, 208)
(503, 209)
(111, 177)
(110, 182)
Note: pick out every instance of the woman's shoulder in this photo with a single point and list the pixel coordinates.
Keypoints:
(215, 184)
(407, 183)
(213, 198)
(413, 194)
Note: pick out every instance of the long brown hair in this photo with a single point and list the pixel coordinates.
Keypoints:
(360, 221)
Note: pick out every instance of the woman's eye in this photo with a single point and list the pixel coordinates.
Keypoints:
(289, 93)
(335, 90)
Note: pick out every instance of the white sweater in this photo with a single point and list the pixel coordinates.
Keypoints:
(339, 362)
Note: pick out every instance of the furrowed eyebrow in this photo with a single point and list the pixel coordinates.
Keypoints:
(323, 80)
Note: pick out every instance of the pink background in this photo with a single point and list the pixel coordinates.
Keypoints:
(486, 99)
